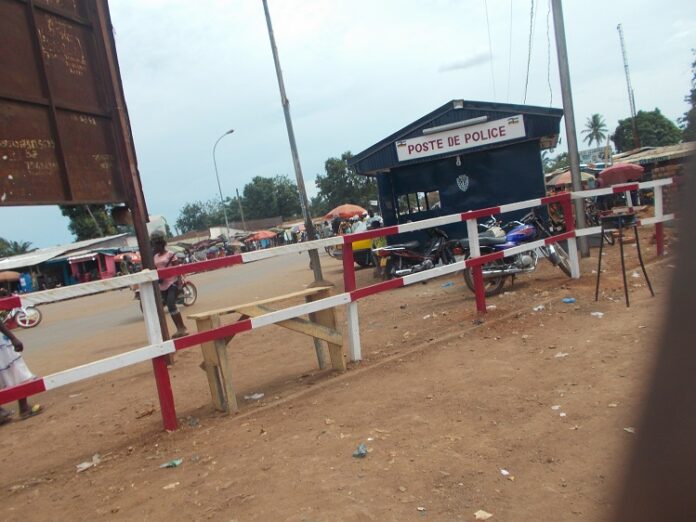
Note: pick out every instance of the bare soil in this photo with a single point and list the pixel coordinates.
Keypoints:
(444, 401)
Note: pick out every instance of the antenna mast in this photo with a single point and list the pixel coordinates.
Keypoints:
(631, 100)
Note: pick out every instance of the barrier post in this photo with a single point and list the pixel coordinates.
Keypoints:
(659, 227)
(476, 270)
(569, 219)
(159, 364)
(351, 308)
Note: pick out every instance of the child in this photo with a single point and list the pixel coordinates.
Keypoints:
(13, 371)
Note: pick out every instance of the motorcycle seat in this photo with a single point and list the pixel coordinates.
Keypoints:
(485, 241)
(410, 245)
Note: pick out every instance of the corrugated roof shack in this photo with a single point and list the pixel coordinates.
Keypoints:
(462, 156)
(662, 162)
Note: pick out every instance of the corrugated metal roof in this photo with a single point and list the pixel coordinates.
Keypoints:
(44, 254)
(382, 155)
(648, 155)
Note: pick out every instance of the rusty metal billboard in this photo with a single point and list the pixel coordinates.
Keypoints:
(64, 132)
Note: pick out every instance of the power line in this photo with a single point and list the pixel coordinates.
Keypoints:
(509, 54)
(529, 50)
(490, 49)
(548, 55)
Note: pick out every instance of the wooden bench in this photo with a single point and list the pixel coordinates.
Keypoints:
(321, 326)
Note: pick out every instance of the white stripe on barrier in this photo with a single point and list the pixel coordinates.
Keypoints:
(520, 205)
(656, 219)
(590, 231)
(432, 222)
(295, 311)
(524, 247)
(84, 289)
(295, 248)
(107, 365)
(434, 272)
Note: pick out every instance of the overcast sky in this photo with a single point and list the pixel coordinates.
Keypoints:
(355, 71)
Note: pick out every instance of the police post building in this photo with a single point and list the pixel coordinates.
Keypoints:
(463, 156)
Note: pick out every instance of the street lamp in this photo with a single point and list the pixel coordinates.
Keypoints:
(217, 176)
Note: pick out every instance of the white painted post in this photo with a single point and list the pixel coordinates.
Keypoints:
(353, 332)
(152, 324)
(659, 211)
(574, 259)
(629, 200)
(472, 233)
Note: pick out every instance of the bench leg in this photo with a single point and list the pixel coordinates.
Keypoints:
(328, 318)
(225, 373)
(216, 366)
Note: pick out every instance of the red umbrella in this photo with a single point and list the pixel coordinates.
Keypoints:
(262, 234)
(620, 173)
(346, 211)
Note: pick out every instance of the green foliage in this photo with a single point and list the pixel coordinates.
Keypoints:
(654, 130)
(688, 121)
(559, 162)
(13, 248)
(341, 185)
(86, 226)
(268, 197)
(201, 215)
(595, 130)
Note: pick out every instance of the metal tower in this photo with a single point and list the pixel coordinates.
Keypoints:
(631, 100)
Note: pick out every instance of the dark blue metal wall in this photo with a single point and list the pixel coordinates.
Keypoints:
(496, 176)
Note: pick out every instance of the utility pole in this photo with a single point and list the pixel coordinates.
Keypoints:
(631, 99)
(309, 226)
(569, 114)
(241, 210)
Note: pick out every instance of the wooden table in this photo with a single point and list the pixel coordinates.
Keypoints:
(321, 326)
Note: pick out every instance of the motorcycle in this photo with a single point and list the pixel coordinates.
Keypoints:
(186, 295)
(529, 228)
(410, 258)
(24, 317)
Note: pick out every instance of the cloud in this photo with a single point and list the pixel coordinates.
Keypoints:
(477, 59)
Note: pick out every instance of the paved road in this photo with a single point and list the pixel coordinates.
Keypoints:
(113, 322)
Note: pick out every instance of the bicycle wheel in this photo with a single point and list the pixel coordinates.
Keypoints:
(28, 317)
(190, 293)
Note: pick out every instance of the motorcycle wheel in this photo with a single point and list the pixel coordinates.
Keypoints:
(492, 285)
(190, 293)
(390, 269)
(29, 317)
(563, 260)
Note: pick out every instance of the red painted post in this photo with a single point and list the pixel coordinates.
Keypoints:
(164, 390)
(568, 216)
(660, 238)
(480, 290)
(348, 268)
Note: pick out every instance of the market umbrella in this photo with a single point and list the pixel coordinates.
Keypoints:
(346, 211)
(261, 234)
(564, 178)
(9, 275)
(620, 173)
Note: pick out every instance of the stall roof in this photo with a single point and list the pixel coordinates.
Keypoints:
(44, 254)
(648, 155)
(540, 123)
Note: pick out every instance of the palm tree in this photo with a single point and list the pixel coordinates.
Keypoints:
(595, 130)
(14, 248)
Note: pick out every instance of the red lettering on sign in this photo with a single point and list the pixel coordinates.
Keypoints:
(502, 130)
(410, 149)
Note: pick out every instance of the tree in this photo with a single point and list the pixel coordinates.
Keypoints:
(89, 221)
(653, 128)
(269, 197)
(13, 248)
(341, 185)
(559, 162)
(198, 216)
(595, 130)
(688, 121)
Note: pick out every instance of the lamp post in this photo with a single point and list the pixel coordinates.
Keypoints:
(217, 176)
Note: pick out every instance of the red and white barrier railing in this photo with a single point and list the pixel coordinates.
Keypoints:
(158, 348)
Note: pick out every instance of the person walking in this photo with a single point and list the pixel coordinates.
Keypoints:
(168, 286)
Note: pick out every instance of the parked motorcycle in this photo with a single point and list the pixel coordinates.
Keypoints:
(529, 228)
(411, 257)
(25, 317)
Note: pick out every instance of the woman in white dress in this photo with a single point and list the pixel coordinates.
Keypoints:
(14, 371)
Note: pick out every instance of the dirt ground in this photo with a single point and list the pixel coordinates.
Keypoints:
(525, 414)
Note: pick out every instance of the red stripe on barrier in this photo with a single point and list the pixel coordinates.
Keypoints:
(200, 266)
(477, 261)
(369, 234)
(211, 335)
(559, 237)
(8, 303)
(22, 391)
(623, 188)
(484, 212)
(563, 196)
(375, 289)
